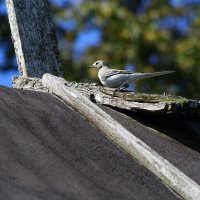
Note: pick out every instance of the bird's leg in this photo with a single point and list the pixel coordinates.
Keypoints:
(123, 87)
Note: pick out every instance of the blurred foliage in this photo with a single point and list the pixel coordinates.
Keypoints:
(6, 46)
(151, 35)
(137, 36)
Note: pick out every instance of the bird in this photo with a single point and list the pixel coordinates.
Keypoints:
(120, 79)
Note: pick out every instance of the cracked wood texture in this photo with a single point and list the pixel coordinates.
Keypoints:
(127, 101)
(34, 37)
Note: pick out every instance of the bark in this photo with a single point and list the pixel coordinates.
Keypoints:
(34, 37)
(129, 101)
(29, 84)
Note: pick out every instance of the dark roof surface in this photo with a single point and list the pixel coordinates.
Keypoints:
(48, 151)
(176, 140)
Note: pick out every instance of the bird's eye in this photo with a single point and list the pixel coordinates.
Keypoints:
(97, 63)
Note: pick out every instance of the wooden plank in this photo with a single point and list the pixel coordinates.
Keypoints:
(34, 37)
(114, 131)
(140, 102)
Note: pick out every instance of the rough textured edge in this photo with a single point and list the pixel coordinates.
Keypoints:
(115, 132)
(28, 83)
(158, 104)
(15, 37)
(36, 49)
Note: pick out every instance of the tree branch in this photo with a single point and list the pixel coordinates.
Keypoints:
(115, 132)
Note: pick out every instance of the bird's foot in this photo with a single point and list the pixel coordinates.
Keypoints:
(72, 84)
(122, 88)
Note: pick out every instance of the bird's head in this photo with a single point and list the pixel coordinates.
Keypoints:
(98, 64)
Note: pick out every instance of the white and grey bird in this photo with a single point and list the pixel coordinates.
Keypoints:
(121, 79)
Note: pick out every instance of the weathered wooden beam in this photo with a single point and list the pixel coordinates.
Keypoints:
(141, 102)
(114, 131)
(28, 83)
(34, 37)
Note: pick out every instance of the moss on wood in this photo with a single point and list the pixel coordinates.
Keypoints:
(132, 101)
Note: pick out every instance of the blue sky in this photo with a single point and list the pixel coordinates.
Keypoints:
(6, 77)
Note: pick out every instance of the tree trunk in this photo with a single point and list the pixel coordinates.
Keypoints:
(34, 37)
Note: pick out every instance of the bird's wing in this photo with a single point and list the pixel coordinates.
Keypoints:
(112, 72)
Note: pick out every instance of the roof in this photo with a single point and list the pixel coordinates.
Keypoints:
(49, 151)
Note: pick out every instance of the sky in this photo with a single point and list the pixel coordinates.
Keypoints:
(95, 35)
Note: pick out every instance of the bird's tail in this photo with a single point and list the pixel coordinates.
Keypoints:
(138, 76)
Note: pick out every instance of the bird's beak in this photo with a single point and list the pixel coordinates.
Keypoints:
(91, 66)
